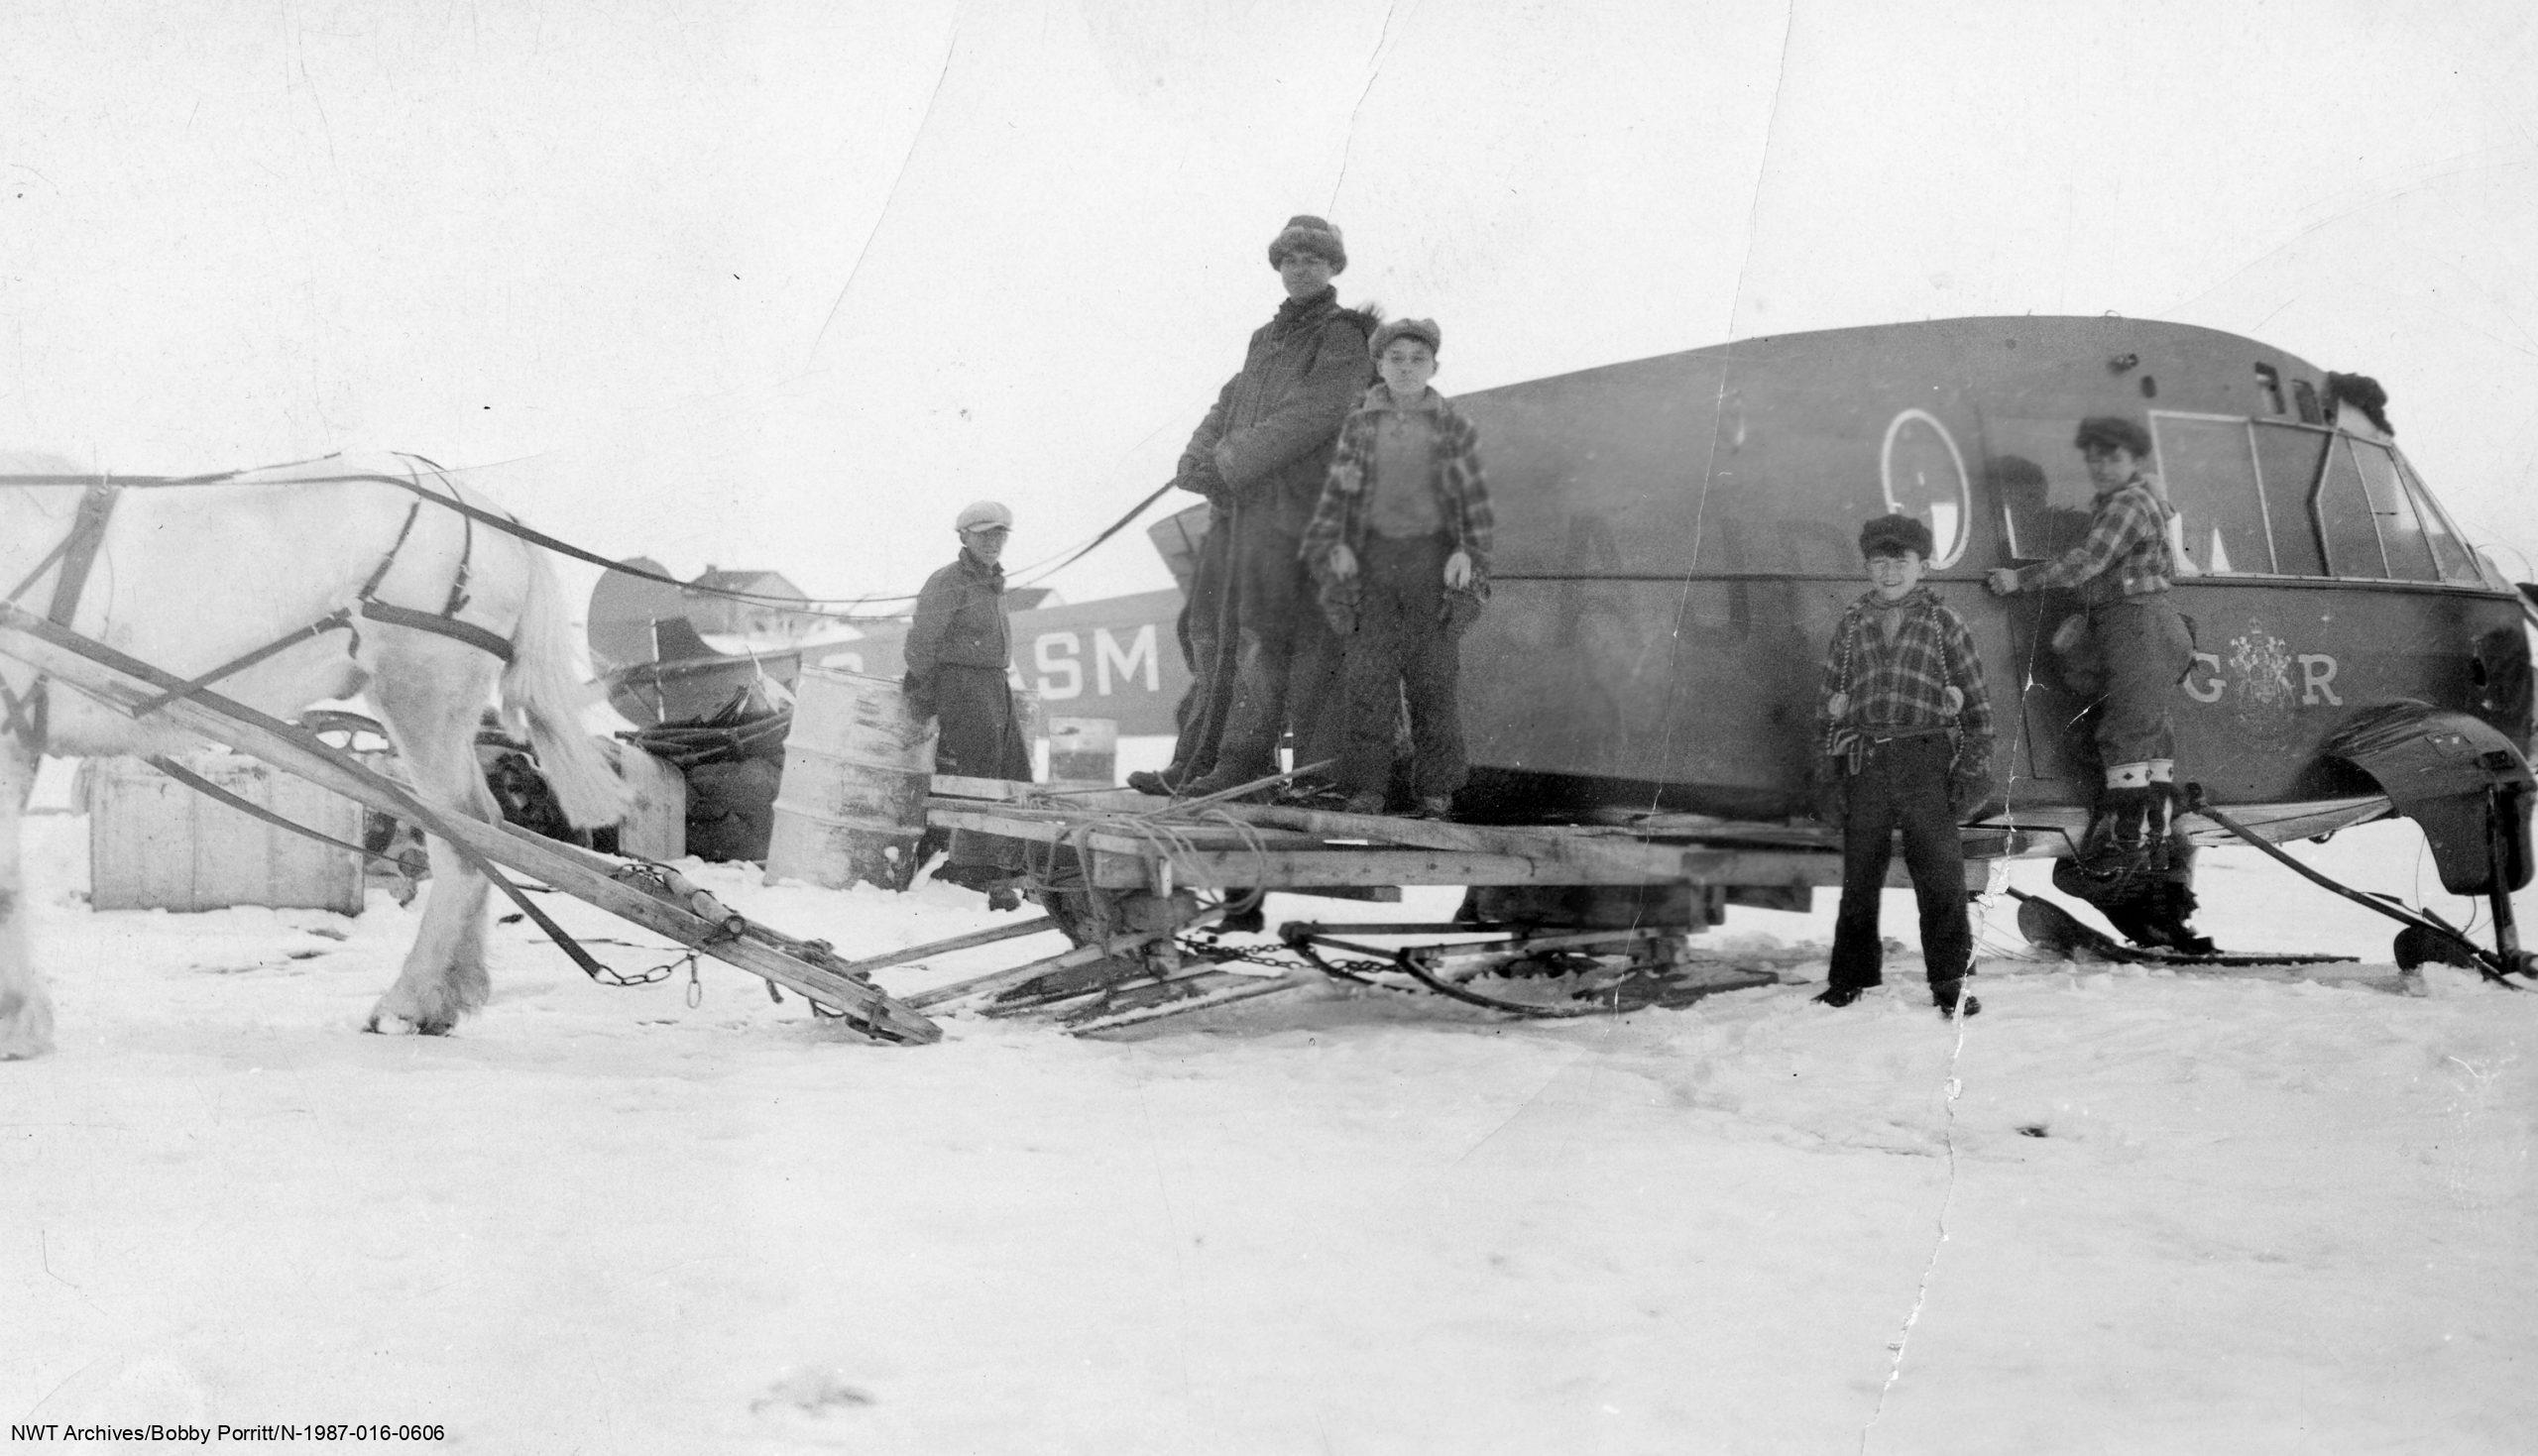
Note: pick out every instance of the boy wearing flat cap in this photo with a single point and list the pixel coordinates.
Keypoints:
(1907, 729)
(1400, 543)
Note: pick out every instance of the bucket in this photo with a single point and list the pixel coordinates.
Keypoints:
(851, 804)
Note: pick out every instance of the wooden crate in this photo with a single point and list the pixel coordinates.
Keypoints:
(156, 845)
(656, 823)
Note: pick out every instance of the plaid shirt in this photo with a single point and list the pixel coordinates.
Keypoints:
(1453, 474)
(1900, 688)
(2126, 553)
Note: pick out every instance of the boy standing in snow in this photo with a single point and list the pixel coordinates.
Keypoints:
(1907, 723)
(1400, 543)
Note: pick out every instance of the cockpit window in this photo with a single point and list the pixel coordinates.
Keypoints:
(2401, 534)
(2287, 462)
(2209, 466)
(2344, 517)
(2035, 472)
(2270, 387)
(2253, 497)
(2304, 395)
(2450, 554)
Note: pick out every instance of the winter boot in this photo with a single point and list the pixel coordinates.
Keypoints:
(2118, 840)
(1839, 995)
(1950, 998)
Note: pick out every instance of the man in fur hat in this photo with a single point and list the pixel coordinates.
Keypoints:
(1261, 656)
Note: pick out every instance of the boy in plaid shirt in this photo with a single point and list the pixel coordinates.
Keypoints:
(2135, 650)
(1908, 732)
(1400, 544)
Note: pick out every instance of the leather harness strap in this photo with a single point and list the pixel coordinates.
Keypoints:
(341, 617)
(25, 716)
(445, 622)
(469, 632)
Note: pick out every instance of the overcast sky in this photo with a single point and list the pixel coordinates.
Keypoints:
(784, 285)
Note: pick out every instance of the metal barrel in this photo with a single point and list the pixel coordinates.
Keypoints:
(851, 804)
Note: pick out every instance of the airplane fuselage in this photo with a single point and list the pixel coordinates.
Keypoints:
(1676, 537)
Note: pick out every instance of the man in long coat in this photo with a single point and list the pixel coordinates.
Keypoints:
(959, 653)
(1259, 458)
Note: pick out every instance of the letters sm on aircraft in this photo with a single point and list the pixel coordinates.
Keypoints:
(1114, 659)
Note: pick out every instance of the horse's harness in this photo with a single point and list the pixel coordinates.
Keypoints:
(24, 716)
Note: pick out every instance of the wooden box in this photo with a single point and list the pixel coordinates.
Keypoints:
(156, 845)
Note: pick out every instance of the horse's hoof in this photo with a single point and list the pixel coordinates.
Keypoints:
(390, 1024)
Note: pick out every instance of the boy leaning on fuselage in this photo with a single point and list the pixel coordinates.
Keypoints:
(1907, 730)
(1400, 545)
(2136, 647)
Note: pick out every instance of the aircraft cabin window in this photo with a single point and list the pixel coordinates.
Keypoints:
(2304, 396)
(2210, 470)
(2287, 461)
(2040, 484)
(2401, 534)
(1925, 478)
(2449, 552)
(2344, 517)
(2270, 384)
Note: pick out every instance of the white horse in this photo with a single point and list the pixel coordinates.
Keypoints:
(190, 577)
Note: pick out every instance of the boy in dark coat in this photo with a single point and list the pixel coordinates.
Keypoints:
(957, 653)
(1908, 732)
(1401, 542)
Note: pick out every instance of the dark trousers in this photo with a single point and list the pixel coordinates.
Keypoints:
(1402, 652)
(981, 736)
(1207, 631)
(1902, 785)
(1286, 662)
(2138, 650)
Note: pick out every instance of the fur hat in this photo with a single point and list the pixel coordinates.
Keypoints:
(1311, 234)
(2114, 431)
(981, 513)
(1424, 329)
(1892, 535)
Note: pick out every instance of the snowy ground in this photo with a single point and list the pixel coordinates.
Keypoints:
(2119, 1211)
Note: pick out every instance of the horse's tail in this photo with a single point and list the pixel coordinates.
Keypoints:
(542, 690)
